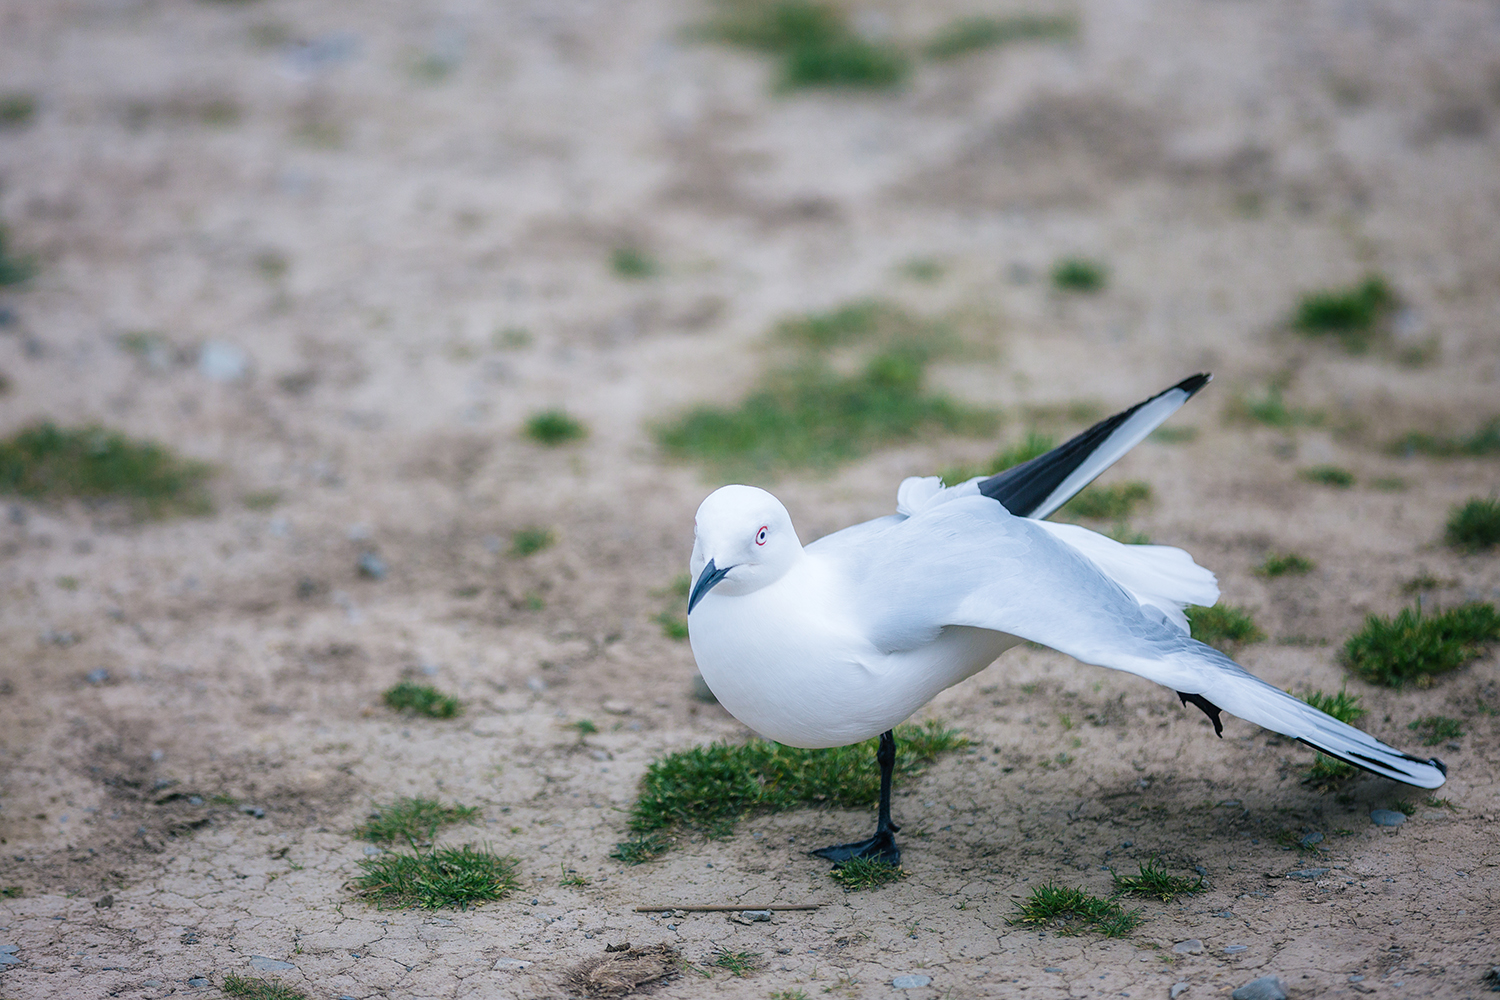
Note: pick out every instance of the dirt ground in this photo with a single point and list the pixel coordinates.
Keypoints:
(298, 240)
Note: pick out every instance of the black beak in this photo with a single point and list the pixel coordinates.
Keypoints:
(711, 575)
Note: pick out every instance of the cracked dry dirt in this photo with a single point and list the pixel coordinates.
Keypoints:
(364, 199)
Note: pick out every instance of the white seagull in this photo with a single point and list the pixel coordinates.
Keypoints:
(835, 642)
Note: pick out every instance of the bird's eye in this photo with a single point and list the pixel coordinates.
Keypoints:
(760, 536)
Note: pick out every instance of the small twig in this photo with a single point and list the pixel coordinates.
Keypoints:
(726, 909)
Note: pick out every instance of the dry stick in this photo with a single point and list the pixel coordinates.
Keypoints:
(726, 909)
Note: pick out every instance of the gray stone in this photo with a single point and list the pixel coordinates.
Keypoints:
(1051, 968)
(8, 958)
(1192, 946)
(1311, 839)
(198, 982)
(1355, 977)
(1178, 989)
(1264, 988)
(9, 949)
(151, 984)
(910, 982)
(1310, 874)
(1387, 817)
(255, 811)
(263, 964)
(510, 965)
(761, 915)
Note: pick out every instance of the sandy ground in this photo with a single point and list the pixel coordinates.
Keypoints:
(351, 203)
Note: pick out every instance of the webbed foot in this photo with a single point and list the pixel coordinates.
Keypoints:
(881, 847)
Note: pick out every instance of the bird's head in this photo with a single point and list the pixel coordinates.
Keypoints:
(743, 540)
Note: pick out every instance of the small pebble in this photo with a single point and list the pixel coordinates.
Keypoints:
(510, 965)
(910, 982)
(1235, 949)
(1264, 988)
(152, 984)
(1311, 839)
(263, 964)
(1178, 989)
(1355, 977)
(1387, 817)
(371, 566)
(760, 915)
(97, 676)
(198, 982)
(1192, 946)
(255, 811)
(1051, 969)
(1309, 874)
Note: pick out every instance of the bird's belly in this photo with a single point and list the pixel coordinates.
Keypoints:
(805, 685)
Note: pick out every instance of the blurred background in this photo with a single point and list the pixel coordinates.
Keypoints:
(342, 343)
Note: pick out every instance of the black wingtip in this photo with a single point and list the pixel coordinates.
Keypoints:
(1193, 384)
(1439, 765)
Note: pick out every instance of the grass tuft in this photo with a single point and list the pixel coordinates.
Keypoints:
(814, 42)
(1346, 708)
(422, 699)
(633, 263)
(1475, 526)
(974, 34)
(858, 874)
(413, 820)
(449, 876)
(529, 541)
(1029, 447)
(1155, 881)
(646, 847)
(14, 270)
(1078, 274)
(1114, 503)
(1484, 441)
(46, 462)
(1055, 906)
(1328, 475)
(236, 985)
(554, 427)
(710, 788)
(1411, 648)
(1223, 624)
(737, 963)
(1353, 314)
(1284, 564)
(1436, 729)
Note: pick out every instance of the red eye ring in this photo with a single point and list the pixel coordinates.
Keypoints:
(760, 536)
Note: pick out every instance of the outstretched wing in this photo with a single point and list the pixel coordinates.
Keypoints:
(967, 562)
(1040, 486)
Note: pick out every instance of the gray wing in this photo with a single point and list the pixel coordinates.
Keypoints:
(969, 562)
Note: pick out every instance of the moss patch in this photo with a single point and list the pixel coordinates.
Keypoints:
(1114, 503)
(1284, 564)
(47, 462)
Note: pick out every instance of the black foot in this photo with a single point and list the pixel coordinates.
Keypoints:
(881, 847)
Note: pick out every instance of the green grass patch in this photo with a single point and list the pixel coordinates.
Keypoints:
(1158, 883)
(1059, 907)
(975, 34)
(1079, 274)
(236, 985)
(1475, 526)
(422, 699)
(1029, 447)
(673, 625)
(1484, 441)
(633, 263)
(1271, 410)
(415, 821)
(571, 879)
(1284, 564)
(814, 43)
(14, 270)
(858, 874)
(17, 109)
(1412, 648)
(640, 849)
(1346, 708)
(736, 963)
(811, 416)
(710, 788)
(554, 427)
(529, 541)
(1328, 475)
(1436, 729)
(449, 876)
(850, 323)
(585, 727)
(1223, 625)
(1353, 315)
(1114, 503)
(46, 462)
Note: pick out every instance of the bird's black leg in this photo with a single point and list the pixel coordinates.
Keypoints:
(882, 846)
